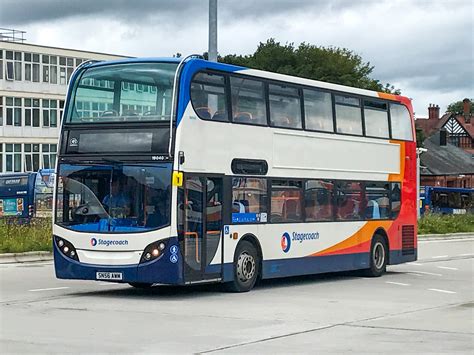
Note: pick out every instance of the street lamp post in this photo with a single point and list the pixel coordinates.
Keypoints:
(212, 53)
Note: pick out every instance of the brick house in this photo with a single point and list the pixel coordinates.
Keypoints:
(449, 160)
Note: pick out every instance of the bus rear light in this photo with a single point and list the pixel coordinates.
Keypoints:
(153, 251)
(66, 248)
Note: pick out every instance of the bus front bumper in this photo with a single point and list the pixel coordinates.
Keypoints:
(165, 270)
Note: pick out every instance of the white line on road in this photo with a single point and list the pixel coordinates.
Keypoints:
(48, 289)
(423, 272)
(466, 254)
(396, 283)
(447, 268)
(440, 256)
(416, 264)
(414, 274)
(442, 291)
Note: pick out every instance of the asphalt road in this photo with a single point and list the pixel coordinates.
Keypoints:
(421, 307)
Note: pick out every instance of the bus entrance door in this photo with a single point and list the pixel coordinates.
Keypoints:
(201, 240)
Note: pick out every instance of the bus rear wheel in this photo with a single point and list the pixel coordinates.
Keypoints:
(378, 257)
(246, 268)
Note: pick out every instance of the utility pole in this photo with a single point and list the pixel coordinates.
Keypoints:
(212, 53)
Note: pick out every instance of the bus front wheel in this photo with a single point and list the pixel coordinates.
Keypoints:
(378, 257)
(246, 268)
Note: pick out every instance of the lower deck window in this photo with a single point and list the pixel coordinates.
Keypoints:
(249, 200)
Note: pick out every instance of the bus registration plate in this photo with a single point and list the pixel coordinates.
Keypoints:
(102, 275)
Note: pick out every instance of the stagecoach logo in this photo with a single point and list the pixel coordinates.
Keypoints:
(73, 142)
(285, 242)
(108, 242)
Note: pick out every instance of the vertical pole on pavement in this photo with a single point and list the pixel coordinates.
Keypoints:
(212, 53)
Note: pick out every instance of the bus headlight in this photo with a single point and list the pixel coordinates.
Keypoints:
(153, 251)
(66, 248)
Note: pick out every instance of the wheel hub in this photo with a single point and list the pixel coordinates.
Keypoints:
(379, 255)
(245, 267)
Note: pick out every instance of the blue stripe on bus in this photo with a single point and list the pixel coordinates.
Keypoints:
(189, 69)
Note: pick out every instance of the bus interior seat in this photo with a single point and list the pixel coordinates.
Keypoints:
(243, 117)
(220, 115)
(290, 210)
(204, 112)
(240, 206)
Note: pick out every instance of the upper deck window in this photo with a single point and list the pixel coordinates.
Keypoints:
(123, 92)
(401, 122)
(285, 106)
(248, 101)
(376, 119)
(208, 95)
(348, 115)
(318, 110)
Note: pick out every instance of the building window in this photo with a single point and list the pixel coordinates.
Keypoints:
(1, 110)
(32, 157)
(10, 74)
(53, 69)
(28, 66)
(14, 63)
(36, 68)
(1, 64)
(319, 197)
(1, 156)
(45, 68)
(13, 111)
(66, 67)
(248, 101)
(49, 155)
(208, 94)
(50, 113)
(318, 111)
(13, 158)
(249, 200)
(287, 201)
(61, 110)
(348, 115)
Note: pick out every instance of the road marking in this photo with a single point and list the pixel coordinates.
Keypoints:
(424, 273)
(412, 273)
(48, 289)
(440, 256)
(396, 283)
(447, 268)
(442, 291)
(416, 264)
(466, 254)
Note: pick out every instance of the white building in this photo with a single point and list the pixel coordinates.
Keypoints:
(33, 84)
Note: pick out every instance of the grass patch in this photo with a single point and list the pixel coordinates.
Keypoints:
(18, 238)
(442, 224)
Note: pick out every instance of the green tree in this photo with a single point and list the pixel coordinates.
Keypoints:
(457, 107)
(330, 64)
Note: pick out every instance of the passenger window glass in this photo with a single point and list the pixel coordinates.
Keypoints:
(285, 106)
(287, 201)
(209, 97)
(249, 200)
(378, 201)
(318, 196)
(248, 101)
(348, 115)
(395, 196)
(318, 110)
(376, 119)
(350, 201)
(401, 122)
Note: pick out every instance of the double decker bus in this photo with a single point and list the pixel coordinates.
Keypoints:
(26, 195)
(186, 171)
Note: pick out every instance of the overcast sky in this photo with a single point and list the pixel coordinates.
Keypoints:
(423, 47)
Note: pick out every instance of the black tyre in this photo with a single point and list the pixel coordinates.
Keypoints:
(246, 268)
(140, 285)
(378, 257)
